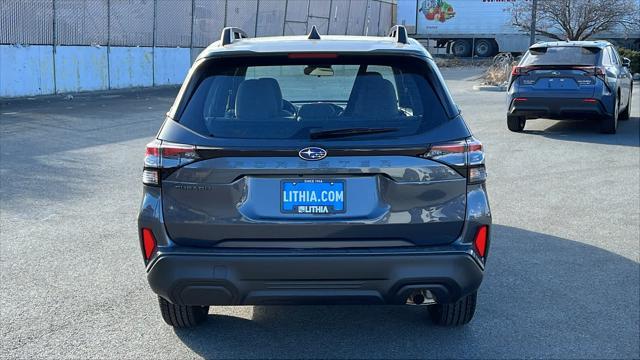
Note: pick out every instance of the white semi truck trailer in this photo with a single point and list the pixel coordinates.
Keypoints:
(469, 27)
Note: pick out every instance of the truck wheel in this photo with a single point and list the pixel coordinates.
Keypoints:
(457, 313)
(516, 123)
(484, 48)
(609, 124)
(461, 48)
(182, 316)
(627, 111)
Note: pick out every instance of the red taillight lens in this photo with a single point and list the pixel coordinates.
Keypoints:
(164, 155)
(480, 241)
(519, 70)
(451, 153)
(592, 101)
(148, 243)
(520, 99)
(152, 154)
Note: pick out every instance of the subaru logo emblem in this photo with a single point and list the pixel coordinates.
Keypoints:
(312, 153)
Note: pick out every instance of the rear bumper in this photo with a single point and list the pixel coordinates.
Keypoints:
(201, 278)
(557, 108)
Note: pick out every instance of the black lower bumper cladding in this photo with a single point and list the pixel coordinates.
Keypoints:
(557, 108)
(327, 279)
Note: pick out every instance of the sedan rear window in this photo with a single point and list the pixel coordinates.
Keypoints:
(307, 98)
(562, 55)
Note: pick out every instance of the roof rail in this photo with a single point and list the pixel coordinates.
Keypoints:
(400, 33)
(229, 34)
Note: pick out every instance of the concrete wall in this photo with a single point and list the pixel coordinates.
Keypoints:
(130, 67)
(26, 70)
(170, 65)
(81, 68)
(44, 69)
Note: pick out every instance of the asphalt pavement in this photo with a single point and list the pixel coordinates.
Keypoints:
(563, 279)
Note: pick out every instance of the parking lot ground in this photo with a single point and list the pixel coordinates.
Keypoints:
(562, 281)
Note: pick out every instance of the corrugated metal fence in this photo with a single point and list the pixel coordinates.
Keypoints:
(182, 23)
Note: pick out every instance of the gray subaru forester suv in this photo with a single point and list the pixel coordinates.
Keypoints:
(314, 170)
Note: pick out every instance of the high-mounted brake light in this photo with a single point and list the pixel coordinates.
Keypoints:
(148, 243)
(313, 56)
(164, 155)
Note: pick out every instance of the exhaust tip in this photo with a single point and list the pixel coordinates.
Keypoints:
(421, 297)
(417, 298)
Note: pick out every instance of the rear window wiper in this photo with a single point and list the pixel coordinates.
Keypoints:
(336, 133)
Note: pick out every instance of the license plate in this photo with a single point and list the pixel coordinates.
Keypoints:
(314, 196)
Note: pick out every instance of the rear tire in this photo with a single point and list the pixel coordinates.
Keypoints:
(461, 48)
(516, 123)
(609, 124)
(455, 314)
(484, 48)
(182, 316)
(627, 111)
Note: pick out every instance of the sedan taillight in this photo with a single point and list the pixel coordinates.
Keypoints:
(164, 155)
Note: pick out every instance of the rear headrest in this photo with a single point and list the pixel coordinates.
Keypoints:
(256, 99)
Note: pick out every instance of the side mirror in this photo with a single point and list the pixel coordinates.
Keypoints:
(626, 62)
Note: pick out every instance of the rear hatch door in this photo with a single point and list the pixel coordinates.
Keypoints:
(294, 167)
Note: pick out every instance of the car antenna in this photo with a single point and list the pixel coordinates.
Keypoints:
(313, 34)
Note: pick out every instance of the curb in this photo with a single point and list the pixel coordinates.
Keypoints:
(490, 88)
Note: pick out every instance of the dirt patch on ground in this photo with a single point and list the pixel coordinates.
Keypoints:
(452, 62)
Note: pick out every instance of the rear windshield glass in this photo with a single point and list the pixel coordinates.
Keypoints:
(562, 55)
(285, 98)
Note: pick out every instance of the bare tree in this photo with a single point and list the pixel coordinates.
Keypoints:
(577, 19)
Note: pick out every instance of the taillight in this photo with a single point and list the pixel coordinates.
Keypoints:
(451, 153)
(466, 156)
(475, 162)
(480, 241)
(519, 70)
(164, 155)
(148, 243)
